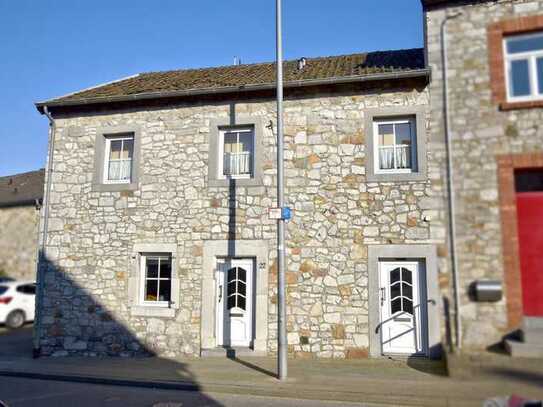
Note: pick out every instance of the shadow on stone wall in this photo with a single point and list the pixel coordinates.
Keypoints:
(448, 322)
(73, 323)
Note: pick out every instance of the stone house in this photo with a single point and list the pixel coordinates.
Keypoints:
(158, 234)
(158, 225)
(495, 98)
(20, 202)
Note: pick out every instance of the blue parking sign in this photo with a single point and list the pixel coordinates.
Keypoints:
(286, 213)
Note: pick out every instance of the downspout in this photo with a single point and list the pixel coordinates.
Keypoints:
(42, 258)
(450, 183)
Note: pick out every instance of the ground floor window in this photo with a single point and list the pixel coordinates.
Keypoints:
(157, 279)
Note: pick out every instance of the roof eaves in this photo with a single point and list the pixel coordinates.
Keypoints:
(405, 74)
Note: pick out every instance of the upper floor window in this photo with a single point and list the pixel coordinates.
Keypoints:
(395, 145)
(236, 153)
(524, 67)
(119, 151)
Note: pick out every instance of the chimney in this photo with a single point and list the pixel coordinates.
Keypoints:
(302, 63)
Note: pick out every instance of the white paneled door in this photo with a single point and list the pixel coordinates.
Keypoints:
(403, 311)
(234, 305)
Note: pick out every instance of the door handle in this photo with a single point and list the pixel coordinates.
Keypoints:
(220, 293)
(383, 296)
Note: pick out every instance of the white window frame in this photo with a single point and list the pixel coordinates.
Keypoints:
(143, 280)
(531, 56)
(108, 140)
(220, 166)
(376, 145)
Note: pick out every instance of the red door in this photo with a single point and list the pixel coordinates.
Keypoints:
(530, 231)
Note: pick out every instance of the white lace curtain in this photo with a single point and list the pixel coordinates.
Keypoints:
(395, 157)
(237, 163)
(119, 170)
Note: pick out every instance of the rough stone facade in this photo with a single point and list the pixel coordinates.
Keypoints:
(18, 241)
(481, 132)
(337, 214)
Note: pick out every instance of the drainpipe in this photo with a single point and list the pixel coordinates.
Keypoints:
(450, 183)
(42, 258)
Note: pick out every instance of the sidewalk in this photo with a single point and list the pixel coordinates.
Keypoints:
(376, 382)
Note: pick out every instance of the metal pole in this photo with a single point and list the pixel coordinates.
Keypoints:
(281, 306)
(450, 184)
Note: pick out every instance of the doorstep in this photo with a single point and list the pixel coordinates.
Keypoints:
(530, 344)
(524, 349)
(231, 352)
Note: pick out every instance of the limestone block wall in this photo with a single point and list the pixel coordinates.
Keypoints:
(481, 131)
(18, 241)
(337, 214)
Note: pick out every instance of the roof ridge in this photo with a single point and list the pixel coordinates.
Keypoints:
(273, 62)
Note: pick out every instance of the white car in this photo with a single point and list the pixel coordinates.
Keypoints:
(17, 303)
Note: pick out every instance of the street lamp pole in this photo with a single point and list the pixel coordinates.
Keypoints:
(281, 305)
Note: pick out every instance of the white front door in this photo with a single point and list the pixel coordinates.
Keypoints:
(234, 305)
(403, 323)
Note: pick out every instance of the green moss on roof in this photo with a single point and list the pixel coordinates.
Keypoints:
(342, 66)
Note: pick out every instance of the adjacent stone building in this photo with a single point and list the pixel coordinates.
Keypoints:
(495, 100)
(158, 233)
(20, 202)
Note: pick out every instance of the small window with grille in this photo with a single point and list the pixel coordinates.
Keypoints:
(401, 290)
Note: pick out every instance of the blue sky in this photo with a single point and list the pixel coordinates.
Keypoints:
(49, 48)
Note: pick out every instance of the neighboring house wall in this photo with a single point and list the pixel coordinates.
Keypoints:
(484, 134)
(94, 234)
(18, 241)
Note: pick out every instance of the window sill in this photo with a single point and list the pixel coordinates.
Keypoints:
(114, 187)
(240, 182)
(530, 104)
(152, 311)
(396, 177)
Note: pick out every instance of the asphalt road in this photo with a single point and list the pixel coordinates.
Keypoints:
(20, 392)
(16, 343)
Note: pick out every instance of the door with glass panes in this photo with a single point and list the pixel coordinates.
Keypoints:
(403, 311)
(234, 304)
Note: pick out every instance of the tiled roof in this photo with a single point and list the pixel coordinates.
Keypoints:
(214, 80)
(430, 3)
(21, 189)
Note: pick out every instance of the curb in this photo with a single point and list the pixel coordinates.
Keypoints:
(186, 386)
